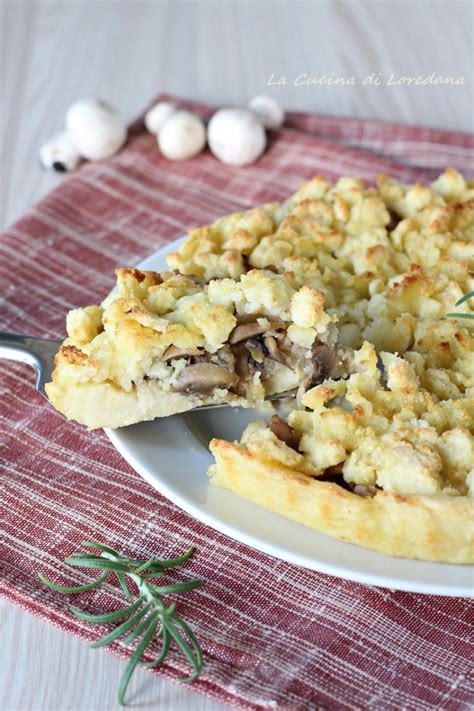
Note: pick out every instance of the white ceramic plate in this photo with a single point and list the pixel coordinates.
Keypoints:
(172, 456)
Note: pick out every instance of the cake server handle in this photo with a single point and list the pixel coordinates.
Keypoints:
(37, 352)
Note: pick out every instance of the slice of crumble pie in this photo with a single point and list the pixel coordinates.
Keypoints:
(163, 344)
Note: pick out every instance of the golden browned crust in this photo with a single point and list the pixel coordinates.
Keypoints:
(434, 528)
(70, 354)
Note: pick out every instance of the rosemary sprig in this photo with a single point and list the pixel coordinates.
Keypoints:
(147, 617)
(460, 301)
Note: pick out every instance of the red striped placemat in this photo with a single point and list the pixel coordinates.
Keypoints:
(274, 635)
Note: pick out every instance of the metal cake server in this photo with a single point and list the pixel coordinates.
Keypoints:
(37, 352)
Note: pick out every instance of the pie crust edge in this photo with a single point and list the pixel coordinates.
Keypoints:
(431, 528)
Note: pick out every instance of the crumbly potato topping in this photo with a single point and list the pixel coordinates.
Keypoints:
(381, 428)
(391, 262)
(384, 258)
(219, 250)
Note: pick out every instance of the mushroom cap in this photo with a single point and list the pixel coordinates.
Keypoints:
(236, 137)
(95, 130)
(88, 109)
(182, 136)
(157, 115)
(268, 112)
(59, 154)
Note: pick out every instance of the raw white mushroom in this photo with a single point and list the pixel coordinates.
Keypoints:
(236, 137)
(157, 115)
(95, 129)
(268, 111)
(182, 136)
(59, 154)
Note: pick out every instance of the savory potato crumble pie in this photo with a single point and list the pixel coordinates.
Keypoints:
(339, 295)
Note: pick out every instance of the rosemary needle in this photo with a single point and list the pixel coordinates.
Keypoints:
(121, 629)
(460, 301)
(77, 588)
(136, 656)
(464, 298)
(109, 616)
(145, 619)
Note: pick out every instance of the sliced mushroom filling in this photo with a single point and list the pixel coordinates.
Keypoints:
(201, 377)
(284, 432)
(244, 331)
(255, 347)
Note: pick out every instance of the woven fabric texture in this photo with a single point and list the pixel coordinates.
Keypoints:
(274, 635)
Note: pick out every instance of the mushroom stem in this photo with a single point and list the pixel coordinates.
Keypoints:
(268, 112)
(59, 154)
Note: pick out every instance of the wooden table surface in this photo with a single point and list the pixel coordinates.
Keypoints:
(223, 52)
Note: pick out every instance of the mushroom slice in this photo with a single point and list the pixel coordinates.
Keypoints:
(333, 471)
(257, 350)
(241, 360)
(251, 329)
(362, 490)
(283, 431)
(244, 331)
(249, 358)
(175, 352)
(274, 352)
(202, 377)
(325, 361)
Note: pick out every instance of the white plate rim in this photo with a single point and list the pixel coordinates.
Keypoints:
(461, 586)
